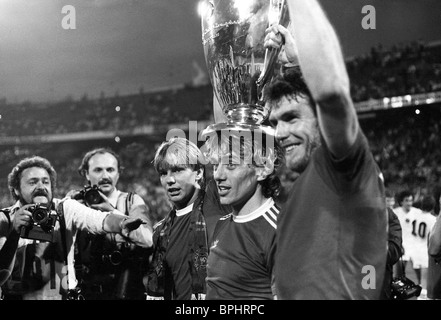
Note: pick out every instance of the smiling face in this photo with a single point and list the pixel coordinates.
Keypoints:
(236, 183)
(240, 170)
(103, 172)
(297, 131)
(35, 186)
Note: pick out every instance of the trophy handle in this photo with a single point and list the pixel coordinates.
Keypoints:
(271, 54)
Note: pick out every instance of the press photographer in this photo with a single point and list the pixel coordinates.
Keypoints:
(38, 268)
(111, 266)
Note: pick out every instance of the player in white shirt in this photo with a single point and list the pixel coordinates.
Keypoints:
(416, 225)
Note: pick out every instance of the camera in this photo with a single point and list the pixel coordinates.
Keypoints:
(115, 258)
(74, 294)
(90, 195)
(404, 288)
(43, 223)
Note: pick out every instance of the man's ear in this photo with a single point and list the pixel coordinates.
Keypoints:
(199, 174)
(262, 173)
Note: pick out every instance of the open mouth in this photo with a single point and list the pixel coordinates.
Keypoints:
(290, 148)
(173, 191)
(223, 190)
(40, 199)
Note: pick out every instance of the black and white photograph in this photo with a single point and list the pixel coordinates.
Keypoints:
(211, 153)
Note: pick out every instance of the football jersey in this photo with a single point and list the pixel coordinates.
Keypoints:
(332, 231)
(416, 226)
(241, 256)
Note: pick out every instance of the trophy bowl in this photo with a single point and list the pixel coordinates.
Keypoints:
(239, 66)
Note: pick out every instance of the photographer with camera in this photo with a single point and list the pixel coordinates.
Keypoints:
(111, 265)
(37, 234)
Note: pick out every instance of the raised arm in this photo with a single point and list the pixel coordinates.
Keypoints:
(322, 64)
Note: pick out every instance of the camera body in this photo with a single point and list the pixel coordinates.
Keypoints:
(90, 195)
(74, 294)
(43, 223)
(404, 288)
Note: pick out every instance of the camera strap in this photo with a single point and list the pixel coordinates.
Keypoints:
(6, 212)
(60, 212)
(129, 202)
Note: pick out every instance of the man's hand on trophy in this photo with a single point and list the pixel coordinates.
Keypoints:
(277, 36)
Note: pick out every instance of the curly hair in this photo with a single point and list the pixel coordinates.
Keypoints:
(290, 83)
(15, 175)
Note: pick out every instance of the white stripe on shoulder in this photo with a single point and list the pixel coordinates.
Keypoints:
(228, 216)
(271, 217)
(256, 213)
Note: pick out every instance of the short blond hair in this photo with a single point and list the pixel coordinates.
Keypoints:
(258, 150)
(178, 152)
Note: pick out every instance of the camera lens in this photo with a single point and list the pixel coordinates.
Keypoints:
(116, 258)
(92, 197)
(40, 215)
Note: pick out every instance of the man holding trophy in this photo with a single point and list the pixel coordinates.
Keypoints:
(332, 231)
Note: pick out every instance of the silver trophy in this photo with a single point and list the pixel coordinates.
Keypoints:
(239, 66)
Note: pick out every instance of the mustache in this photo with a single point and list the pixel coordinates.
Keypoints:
(105, 181)
(40, 192)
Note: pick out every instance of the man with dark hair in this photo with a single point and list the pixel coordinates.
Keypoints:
(417, 224)
(332, 230)
(42, 245)
(112, 265)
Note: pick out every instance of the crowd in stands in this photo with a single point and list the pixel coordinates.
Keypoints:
(400, 70)
(106, 113)
(405, 144)
(403, 69)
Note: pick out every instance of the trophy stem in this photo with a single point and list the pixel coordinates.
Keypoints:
(246, 114)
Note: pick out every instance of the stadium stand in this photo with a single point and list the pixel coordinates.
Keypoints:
(397, 90)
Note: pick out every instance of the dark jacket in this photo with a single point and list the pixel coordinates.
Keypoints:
(394, 252)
